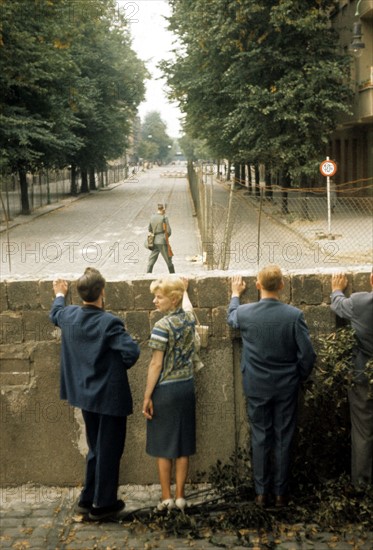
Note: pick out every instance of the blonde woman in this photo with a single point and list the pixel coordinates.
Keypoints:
(169, 400)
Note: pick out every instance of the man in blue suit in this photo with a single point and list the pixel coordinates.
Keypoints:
(277, 355)
(358, 309)
(96, 352)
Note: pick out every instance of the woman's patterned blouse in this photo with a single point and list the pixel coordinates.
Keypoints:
(174, 334)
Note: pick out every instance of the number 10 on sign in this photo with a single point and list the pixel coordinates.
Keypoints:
(328, 168)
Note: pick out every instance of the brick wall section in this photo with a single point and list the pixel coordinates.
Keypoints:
(42, 439)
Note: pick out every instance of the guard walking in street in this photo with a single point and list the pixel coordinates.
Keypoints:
(160, 227)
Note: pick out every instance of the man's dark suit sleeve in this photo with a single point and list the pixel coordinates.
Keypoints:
(305, 355)
(232, 319)
(120, 340)
(57, 309)
(342, 306)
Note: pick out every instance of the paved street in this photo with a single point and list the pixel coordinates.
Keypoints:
(105, 229)
(44, 518)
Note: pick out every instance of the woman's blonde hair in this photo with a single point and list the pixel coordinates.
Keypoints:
(172, 288)
(270, 277)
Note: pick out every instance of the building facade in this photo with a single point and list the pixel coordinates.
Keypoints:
(351, 145)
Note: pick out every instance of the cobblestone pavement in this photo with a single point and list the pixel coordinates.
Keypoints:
(43, 518)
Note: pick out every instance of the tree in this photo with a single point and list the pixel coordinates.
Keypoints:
(71, 84)
(260, 81)
(155, 144)
(109, 88)
(36, 123)
(194, 149)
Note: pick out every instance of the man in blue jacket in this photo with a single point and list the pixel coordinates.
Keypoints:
(96, 352)
(358, 309)
(277, 355)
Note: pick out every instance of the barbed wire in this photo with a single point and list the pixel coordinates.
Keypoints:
(315, 190)
(246, 226)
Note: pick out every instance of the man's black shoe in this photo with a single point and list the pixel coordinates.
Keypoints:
(104, 512)
(83, 507)
(281, 501)
(261, 500)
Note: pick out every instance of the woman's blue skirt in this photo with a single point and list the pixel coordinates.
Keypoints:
(172, 431)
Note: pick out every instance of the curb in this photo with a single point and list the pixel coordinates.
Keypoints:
(46, 209)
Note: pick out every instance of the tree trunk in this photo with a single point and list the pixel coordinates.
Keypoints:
(249, 177)
(243, 174)
(92, 181)
(73, 186)
(257, 190)
(229, 171)
(269, 190)
(286, 183)
(25, 205)
(236, 175)
(84, 187)
(305, 185)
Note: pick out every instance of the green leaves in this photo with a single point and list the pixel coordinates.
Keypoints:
(262, 82)
(70, 83)
(155, 144)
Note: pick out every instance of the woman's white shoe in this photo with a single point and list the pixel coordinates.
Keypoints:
(167, 504)
(180, 503)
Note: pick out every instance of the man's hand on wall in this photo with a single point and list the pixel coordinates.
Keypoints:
(60, 285)
(238, 285)
(339, 282)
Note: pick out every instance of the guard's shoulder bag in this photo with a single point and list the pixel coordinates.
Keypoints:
(149, 243)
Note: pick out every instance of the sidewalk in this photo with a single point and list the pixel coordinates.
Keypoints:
(43, 518)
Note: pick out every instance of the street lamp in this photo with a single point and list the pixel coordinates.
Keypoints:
(357, 46)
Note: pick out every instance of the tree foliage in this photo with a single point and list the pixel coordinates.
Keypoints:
(259, 81)
(70, 85)
(193, 148)
(155, 144)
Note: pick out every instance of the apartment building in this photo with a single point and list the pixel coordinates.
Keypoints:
(351, 145)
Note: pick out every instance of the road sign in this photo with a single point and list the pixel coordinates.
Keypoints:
(328, 168)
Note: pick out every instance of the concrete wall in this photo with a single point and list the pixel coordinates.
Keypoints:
(42, 437)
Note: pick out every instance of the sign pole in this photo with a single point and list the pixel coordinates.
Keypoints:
(328, 168)
(329, 205)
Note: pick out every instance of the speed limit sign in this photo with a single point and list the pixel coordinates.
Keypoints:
(328, 168)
